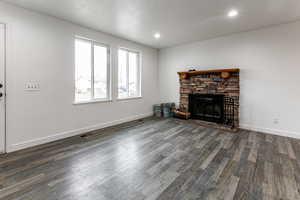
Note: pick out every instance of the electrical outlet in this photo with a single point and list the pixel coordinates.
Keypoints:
(31, 86)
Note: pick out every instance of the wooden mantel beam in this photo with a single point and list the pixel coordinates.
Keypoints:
(186, 75)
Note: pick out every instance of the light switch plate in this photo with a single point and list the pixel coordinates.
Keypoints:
(32, 86)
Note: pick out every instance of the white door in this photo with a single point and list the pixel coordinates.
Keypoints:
(2, 88)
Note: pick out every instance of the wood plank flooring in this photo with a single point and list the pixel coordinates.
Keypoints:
(156, 159)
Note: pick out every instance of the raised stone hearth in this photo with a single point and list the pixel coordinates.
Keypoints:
(224, 81)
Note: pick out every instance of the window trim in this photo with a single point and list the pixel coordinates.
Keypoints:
(109, 72)
(139, 81)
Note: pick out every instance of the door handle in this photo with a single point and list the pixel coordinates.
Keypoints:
(1, 85)
(1, 95)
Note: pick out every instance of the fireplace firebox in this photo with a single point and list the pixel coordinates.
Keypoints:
(207, 107)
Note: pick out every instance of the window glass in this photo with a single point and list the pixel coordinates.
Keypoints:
(82, 70)
(133, 73)
(100, 72)
(123, 90)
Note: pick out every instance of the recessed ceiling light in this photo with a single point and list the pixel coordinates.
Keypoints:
(157, 35)
(233, 13)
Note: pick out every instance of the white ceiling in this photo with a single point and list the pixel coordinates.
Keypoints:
(178, 21)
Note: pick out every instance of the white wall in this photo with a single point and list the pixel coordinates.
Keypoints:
(269, 60)
(41, 49)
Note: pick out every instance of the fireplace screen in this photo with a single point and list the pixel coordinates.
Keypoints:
(207, 107)
(212, 108)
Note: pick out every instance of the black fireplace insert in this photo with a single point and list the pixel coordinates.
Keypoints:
(207, 107)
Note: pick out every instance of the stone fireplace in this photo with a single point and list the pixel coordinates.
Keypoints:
(211, 97)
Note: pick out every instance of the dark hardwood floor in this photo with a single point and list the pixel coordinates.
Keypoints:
(156, 159)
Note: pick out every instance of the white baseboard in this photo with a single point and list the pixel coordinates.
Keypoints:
(66, 134)
(271, 131)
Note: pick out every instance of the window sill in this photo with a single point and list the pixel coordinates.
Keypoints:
(129, 98)
(92, 101)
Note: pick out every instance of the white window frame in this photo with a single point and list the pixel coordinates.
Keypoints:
(93, 99)
(139, 73)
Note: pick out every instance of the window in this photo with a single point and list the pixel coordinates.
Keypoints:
(129, 85)
(92, 71)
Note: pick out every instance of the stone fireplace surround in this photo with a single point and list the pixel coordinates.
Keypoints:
(223, 81)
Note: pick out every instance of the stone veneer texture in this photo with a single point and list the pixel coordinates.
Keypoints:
(211, 83)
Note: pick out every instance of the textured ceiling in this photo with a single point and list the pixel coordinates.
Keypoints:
(178, 21)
